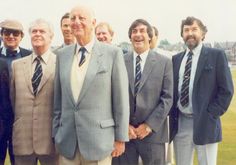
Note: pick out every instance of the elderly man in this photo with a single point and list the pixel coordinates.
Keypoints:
(32, 99)
(11, 34)
(91, 108)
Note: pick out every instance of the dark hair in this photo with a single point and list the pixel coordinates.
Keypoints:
(66, 15)
(140, 22)
(190, 21)
(155, 31)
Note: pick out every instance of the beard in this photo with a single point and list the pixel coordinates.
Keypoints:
(191, 42)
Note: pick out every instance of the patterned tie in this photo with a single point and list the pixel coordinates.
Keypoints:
(137, 78)
(82, 58)
(137, 74)
(38, 73)
(184, 95)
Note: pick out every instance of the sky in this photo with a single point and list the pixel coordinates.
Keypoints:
(218, 15)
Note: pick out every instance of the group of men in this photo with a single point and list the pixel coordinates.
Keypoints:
(91, 105)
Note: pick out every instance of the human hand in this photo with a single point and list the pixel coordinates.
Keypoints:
(132, 134)
(119, 149)
(142, 131)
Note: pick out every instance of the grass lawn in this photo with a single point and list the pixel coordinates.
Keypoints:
(227, 148)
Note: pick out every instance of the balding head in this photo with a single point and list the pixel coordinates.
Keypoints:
(82, 24)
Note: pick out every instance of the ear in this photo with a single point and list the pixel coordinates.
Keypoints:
(94, 22)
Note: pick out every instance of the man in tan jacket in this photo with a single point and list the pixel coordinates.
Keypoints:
(32, 99)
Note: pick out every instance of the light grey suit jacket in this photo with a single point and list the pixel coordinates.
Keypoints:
(101, 114)
(154, 97)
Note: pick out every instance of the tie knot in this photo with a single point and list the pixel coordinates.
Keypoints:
(10, 52)
(138, 58)
(190, 53)
(38, 59)
(82, 50)
(82, 57)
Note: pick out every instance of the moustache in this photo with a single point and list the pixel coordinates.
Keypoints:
(190, 37)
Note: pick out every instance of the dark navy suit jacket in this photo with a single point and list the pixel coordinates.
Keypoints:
(212, 93)
(6, 113)
(4, 97)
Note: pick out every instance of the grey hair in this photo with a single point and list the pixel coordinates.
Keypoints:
(41, 21)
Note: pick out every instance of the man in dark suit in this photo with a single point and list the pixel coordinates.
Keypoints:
(203, 89)
(150, 96)
(4, 107)
(12, 34)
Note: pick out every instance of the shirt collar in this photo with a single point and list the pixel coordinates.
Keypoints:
(196, 51)
(143, 55)
(44, 57)
(4, 50)
(88, 47)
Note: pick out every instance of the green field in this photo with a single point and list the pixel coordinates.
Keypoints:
(227, 148)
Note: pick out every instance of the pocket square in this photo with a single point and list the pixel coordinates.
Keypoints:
(208, 67)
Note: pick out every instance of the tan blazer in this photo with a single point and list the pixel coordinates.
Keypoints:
(33, 114)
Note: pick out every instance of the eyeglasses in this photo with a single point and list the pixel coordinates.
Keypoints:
(8, 32)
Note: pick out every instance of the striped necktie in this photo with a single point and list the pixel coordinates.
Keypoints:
(82, 57)
(38, 73)
(184, 95)
(137, 75)
(137, 78)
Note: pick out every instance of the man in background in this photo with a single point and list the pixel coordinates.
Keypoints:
(68, 37)
(154, 41)
(12, 34)
(104, 32)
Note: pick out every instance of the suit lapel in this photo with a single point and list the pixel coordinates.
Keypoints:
(93, 67)
(130, 70)
(48, 71)
(67, 61)
(200, 65)
(27, 72)
(150, 62)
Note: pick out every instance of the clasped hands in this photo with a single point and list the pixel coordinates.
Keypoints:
(140, 132)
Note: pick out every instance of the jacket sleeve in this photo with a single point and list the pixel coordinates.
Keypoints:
(120, 98)
(224, 84)
(159, 114)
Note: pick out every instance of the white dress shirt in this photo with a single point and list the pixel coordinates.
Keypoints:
(195, 57)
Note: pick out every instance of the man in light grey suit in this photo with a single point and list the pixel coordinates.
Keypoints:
(91, 108)
(150, 94)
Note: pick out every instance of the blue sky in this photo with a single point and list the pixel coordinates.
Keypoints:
(218, 15)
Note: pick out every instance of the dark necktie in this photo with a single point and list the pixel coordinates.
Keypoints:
(137, 78)
(184, 95)
(82, 58)
(38, 73)
(11, 53)
(137, 75)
